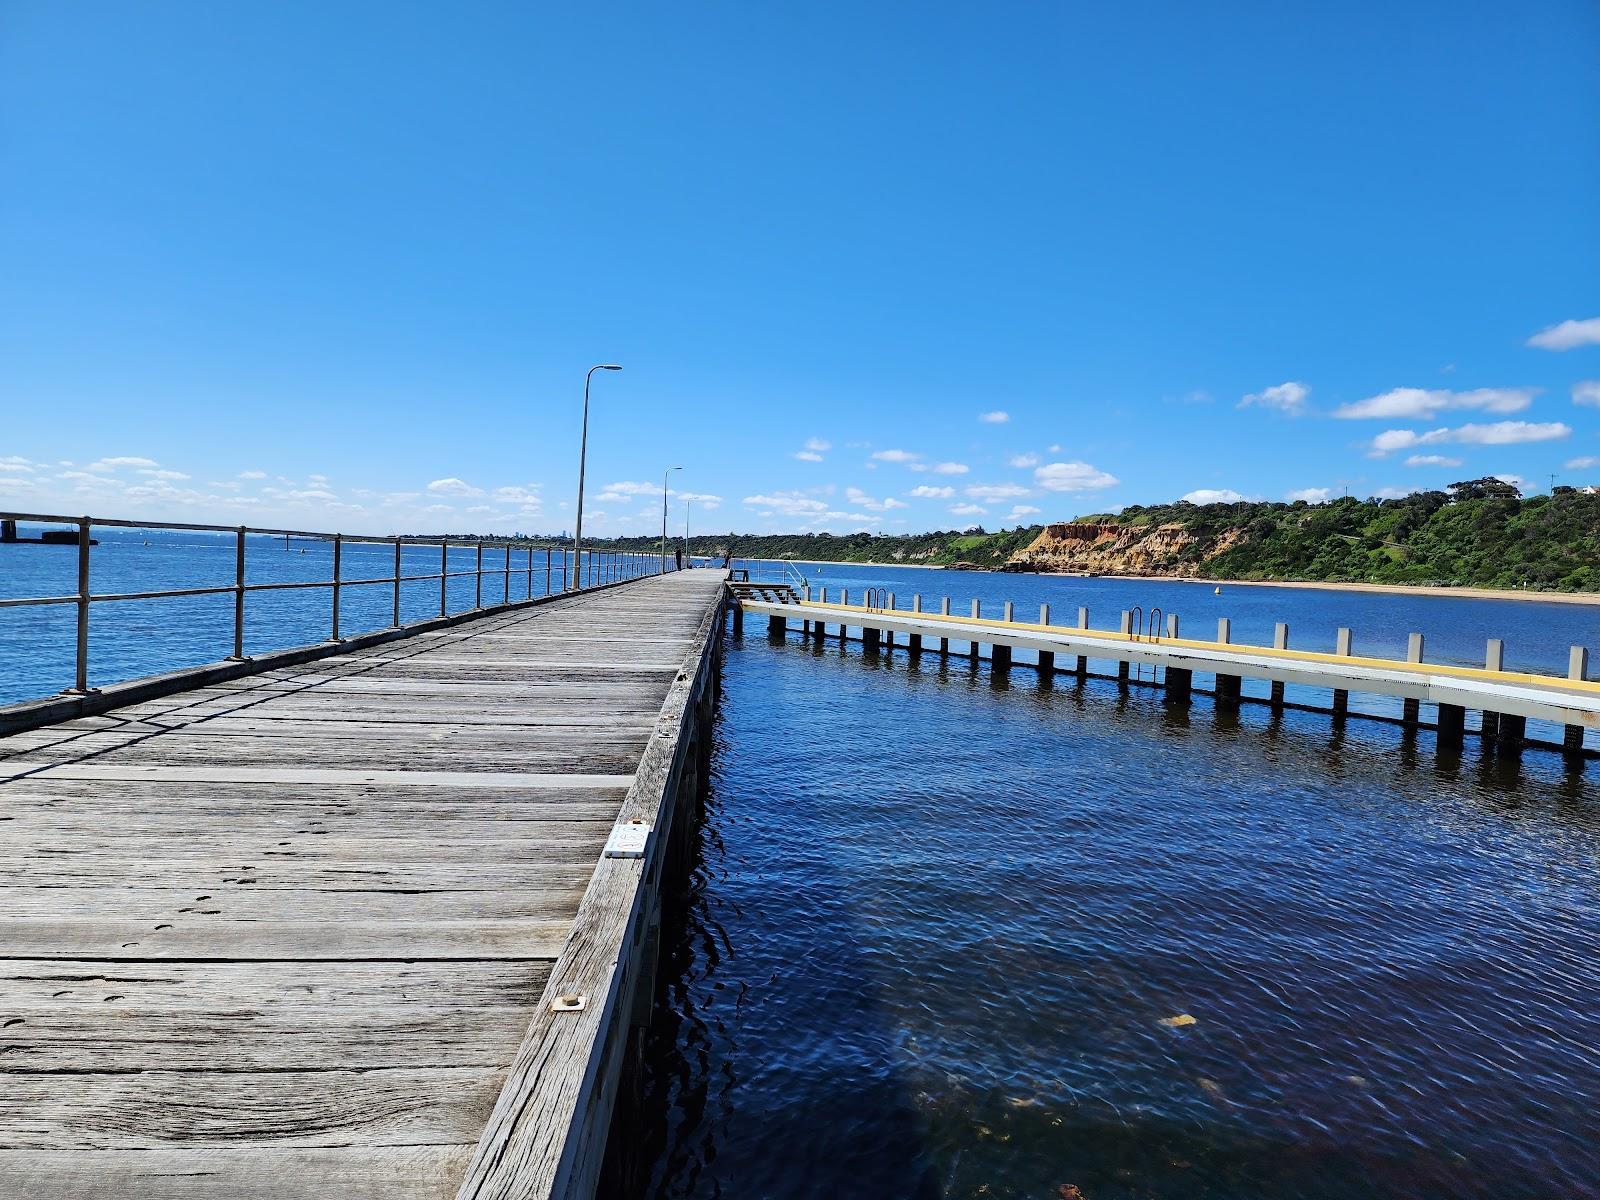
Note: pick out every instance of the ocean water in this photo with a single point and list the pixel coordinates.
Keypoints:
(949, 936)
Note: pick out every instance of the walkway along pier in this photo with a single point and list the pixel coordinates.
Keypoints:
(373, 919)
(1507, 699)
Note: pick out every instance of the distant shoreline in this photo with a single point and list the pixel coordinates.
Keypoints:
(1395, 589)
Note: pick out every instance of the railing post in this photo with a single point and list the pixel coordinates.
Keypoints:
(507, 598)
(477, 599)
(1411, 708)
(1341, 696)
(444, 574)
(1577, 668)
(1280, 641)
(396, 622)
(81, 671)
(338, 547)
(238, 596)
(549, 553)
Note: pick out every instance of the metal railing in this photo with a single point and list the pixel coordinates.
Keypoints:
(596, 568)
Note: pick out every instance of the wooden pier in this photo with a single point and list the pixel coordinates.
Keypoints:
(1507, 699)
(379, 924)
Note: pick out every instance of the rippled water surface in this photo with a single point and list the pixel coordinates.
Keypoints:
(946, 937)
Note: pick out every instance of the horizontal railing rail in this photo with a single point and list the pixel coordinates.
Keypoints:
(594, 568)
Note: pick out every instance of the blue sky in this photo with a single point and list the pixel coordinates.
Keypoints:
(344, 266)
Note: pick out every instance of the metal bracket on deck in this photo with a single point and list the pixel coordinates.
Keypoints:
(628, 840)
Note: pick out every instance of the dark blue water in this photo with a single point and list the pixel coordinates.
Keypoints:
(941, 929)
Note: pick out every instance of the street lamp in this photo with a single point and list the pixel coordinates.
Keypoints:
(664, 476)
(583, 454)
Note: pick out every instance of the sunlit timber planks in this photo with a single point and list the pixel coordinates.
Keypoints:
(288, 934)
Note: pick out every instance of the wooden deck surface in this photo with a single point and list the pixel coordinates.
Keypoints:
(284, 936)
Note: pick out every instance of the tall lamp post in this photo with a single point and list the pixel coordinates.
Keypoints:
(583, 455)
(664, 476)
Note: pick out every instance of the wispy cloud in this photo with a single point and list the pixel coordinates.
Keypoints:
(1311, 495)
(1500, 433)
(1432, 460)
(926, 491)
(1403, 403)
(1288, 398)
(789, 504)
(813, 450)
(1024, 460)
(997, 417)
(1073, 477)
(1023, 510)
(1568, 335)
(453, 487)
(950, 468)
(1586, 462)
(968, 510)
(1586, 391)
(1212, 496)
(996, 491)
(895, 456)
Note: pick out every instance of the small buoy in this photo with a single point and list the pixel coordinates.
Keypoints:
(1216, 592)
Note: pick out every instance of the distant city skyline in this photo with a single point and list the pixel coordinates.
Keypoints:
(346, 268)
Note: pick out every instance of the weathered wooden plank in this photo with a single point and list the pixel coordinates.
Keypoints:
(126, 1111)
(234, 1173)
(527, 780)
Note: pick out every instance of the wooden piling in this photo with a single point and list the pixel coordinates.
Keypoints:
(1452, 728)
(1227, 685)
(1280, 641)
(1341, 696)
(888, 634)
(1047, 658)
(1125, 628)
(1080, 666)
(976, 610)
(944, 611)
(1577, 668)
(914, 640)
(1411, 708)
(1494, 658)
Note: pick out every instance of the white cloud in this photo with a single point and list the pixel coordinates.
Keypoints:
(1024, 460)
(1568, 335)
(111, 464)
(1499, 433)
(1585, 463)
(154, 473)
(1516, 481)
(701, 499)
(927, 492)
(814, 450)
(994, 418)
(996, 491)
(1023, 510)
(518, 495)
(968, 510)
(1072, 477)
(453, 487)
(1432, 460)
(252, 474)
(808, 456)
(895, 456)
(1309, 495)
(16, 466)
(950, 468)
(857, 497)
(1403, 403)
(1391, 493)
(1213, 496)
(790, 504)
(1288, 398)
(1586, 391)
(818, 445)
(630, 487)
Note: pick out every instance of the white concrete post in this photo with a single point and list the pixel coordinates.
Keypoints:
(1578, 663)
(1009, 612)
(1414, 648)
(1280, 636)
(1341, 642)
(1224, 630)
(1494, 658)
(1172, 625)
(1044, 614)
(1083, 618)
